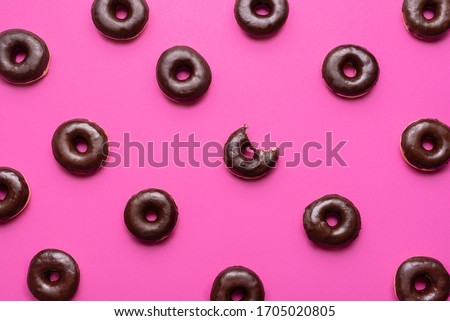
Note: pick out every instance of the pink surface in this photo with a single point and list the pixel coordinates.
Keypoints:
(274, 86)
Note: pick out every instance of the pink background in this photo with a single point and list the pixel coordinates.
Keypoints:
(273, 85)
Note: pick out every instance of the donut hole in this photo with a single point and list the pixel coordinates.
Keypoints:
(237, 294)
(429, 12)
(19, 55)
(81, 145)
(121, 12)
(53, 276)
(262, 9)
(428, 143)
(183, 73)
(151, 215)
(3, 192)
(421, 283)
(332, 219)
(248, 152)
(349, 69)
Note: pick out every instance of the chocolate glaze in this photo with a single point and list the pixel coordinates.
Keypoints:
(105, 19)
(43, 265)
(436, 278)
(365, 64)
(421, 27)
(414, 152)
(237, 278)
(155, 200)
(67, 155)
(243, 166)
(17, 194)
(317, 228)
(35, 64)
(258, 25)
(183, 57)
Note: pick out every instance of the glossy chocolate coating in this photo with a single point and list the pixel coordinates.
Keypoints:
(182, 57)
(157, 201)
(105, 19)
(259, 25)
(317, 228)
(243, 166)
(237, 278)
(414, 152)
(17, 194)
(420, 26)
(64, 144)
(365, 64)
(43, 265)
(436, 278)
(35, 64)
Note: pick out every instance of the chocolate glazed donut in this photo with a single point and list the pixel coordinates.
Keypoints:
(17, 194)
(436, 277)
(413, 150)
(105, 18)
(365, 64)
(64, 145)
(421, 27)
(151, 200)
(237, 278)
(243, 166)
(317, 228)
(37, 57)
(180, 58)
(39, 279)
(257, 25)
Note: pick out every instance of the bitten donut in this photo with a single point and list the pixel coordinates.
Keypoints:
(365, 64)
(64, 145)
(56, 262)
(257, 25)
(436, 277)
(106, 21)
(413, 150)
(156, 201)
(178, 58)
(244, 166)
(421, 27)
(318, 230)
(17, 194)
(37, 57)
(237, 278)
